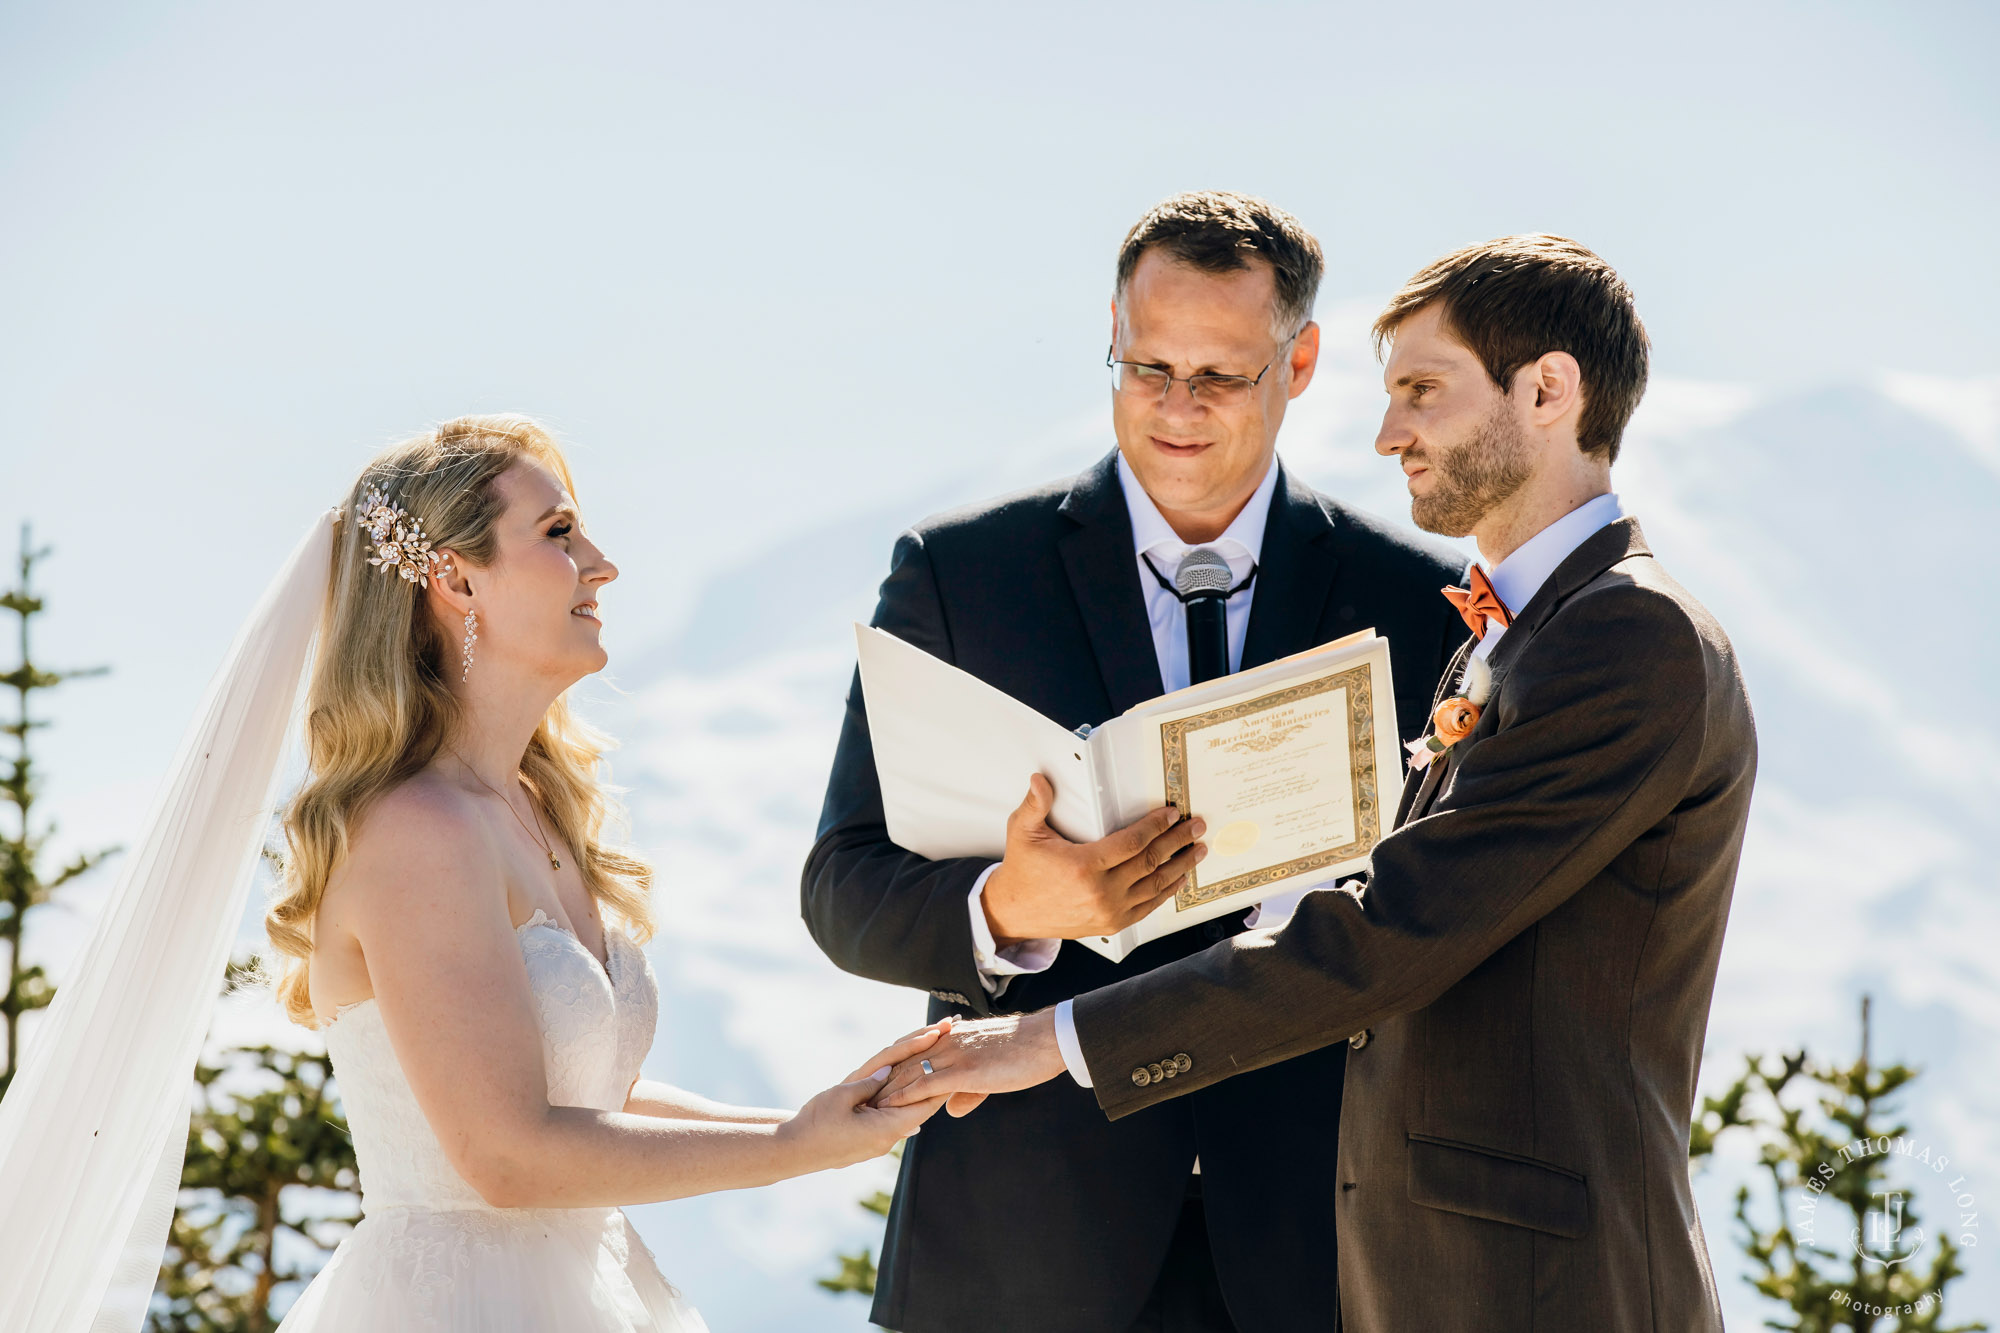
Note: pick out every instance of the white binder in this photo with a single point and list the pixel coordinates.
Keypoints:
(1295, 766)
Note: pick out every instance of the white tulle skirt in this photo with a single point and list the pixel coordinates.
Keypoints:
(492, 1271)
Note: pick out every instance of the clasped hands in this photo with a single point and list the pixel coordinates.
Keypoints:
(966, 1060)
(1046, 887)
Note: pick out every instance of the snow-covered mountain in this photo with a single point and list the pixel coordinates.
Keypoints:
(1838, 536)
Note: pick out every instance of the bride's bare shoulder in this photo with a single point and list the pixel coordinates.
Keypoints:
(422, 844)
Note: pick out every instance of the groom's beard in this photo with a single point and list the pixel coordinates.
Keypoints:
(1472, 476)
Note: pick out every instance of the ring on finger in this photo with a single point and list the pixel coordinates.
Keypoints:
(925, 1065)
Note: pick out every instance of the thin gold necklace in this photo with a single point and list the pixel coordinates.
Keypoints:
(535, 832)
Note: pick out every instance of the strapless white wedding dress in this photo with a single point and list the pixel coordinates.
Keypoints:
(429, 1253)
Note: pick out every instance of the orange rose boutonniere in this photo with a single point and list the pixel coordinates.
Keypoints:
(1455, 718)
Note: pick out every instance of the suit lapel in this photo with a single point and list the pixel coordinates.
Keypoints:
(1599, 552)
(1448, 682)
(1104, 578)
(1413, 789)
(1294, 575)
(1417, 795)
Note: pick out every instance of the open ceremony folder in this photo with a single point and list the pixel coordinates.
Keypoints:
(1294, 764)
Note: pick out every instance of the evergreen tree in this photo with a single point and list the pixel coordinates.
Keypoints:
(857, 1270)
(266, 1130)
(1842, 1246)
(24, 884)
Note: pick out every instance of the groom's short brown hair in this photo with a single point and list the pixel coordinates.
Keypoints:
(1518, 298)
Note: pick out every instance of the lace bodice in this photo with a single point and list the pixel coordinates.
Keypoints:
(597, 1024)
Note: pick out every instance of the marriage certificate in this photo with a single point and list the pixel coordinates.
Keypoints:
(1292, 764)
(1286, 780)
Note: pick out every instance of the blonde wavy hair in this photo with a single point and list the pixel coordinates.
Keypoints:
(380, 704)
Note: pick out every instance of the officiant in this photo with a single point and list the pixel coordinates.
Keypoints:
(1215, 1211)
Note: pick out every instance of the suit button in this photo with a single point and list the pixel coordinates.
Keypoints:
(1155, 1070)
(1168, 1069)
(1182, 1063)
(1361, 1038)
(1216, 931)
(1141, 1077)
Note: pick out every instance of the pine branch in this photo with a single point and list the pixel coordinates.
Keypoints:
(249, 1154)
(857, 1274)
(1818, 1128)
(83, 864)
(24, 884)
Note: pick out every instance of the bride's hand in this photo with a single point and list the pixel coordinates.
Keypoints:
(903, 1048)
(839, 1127)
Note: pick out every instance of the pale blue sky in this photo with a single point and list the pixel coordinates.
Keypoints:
(766, 263)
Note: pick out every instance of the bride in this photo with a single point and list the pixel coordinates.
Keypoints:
(453, 921)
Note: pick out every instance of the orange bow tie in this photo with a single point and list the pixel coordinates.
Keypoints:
(1480, 604)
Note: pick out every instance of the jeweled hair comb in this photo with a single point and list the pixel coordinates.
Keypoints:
(399, 540)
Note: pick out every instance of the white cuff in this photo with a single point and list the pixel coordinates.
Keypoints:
(1277, 909)
(996, 965)
(1066, 1042)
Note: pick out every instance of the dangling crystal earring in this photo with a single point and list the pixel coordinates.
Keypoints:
(471, 635)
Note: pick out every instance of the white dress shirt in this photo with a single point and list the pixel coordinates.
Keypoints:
(1516, 580)
(1521, 575)
(1241, 544)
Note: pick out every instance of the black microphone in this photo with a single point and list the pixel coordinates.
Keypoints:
(1203, 584)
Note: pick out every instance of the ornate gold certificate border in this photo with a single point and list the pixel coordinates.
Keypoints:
(1358, 682)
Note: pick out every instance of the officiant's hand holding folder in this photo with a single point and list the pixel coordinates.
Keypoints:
(1294, 765)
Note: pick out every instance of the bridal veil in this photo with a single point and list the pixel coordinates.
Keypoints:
(93, 1128)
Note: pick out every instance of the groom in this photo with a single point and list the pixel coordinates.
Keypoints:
(1039, 1216)
(1525, 979)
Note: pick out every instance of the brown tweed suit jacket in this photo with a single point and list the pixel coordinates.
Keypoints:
(1524, 981)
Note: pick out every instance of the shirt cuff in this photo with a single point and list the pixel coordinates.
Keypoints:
(996, 965)
(1066, 1042)
(1277, 909)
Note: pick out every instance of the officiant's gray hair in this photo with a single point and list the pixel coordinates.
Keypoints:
(1219, 231)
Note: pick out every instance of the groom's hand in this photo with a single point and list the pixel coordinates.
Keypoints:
(1049, 888)
(976, 1058)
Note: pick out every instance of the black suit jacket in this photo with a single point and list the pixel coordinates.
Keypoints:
(1036, 1214)
(1532, 960)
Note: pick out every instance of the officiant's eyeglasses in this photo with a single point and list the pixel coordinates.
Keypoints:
(1143, 381)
